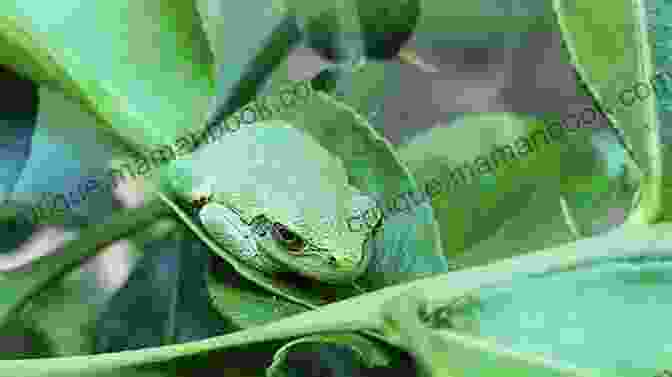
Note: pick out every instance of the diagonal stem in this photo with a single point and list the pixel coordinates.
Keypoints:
(27, 281)
(569, 219)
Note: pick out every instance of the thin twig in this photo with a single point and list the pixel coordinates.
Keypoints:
(410, 57)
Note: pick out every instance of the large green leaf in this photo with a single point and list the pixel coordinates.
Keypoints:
(539, 224)
(590, 190)
(660, 32)
(112, 68)
(471, 204)
(243, 65)
(229, 47)
(570, 314)
(444, 351)
(544, 215)
(609, 47)
(363, 312)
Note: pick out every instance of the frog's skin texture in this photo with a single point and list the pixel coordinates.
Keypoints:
(261, 247)
(272, 173)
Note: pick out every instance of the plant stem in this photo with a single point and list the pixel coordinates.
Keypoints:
(569, 219)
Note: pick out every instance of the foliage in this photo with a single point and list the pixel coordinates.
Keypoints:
(136, 75)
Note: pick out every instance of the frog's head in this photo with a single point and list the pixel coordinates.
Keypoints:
(282, 202)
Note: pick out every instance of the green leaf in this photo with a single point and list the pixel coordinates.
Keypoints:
(567, 313)
(444, 351)
(539, 224)
(543, 213)
(343, 354)
(223, 32)
(486, 168)
(120, 83)
(22, 59)
(367, 87)
(608, 45)
(164, 301)
(244, 65)
(658, 16)
(592, 193)
(242, 303)
(363, 89)
(584, 177)
(363, 312)
(358, 89)
(64, 311)
(371, 164)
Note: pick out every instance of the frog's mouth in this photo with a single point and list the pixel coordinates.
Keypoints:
(339, 258)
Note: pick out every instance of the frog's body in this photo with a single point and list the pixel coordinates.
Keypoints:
(279, 209)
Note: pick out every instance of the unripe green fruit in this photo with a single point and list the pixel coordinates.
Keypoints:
(325, 35)
(387, 25)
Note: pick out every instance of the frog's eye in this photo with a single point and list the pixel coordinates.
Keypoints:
(289, 239)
